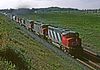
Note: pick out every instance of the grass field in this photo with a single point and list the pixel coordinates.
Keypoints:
(18, 50)
(88, 25)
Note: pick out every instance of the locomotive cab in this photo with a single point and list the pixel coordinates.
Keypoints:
(71, 39)
(45, 30)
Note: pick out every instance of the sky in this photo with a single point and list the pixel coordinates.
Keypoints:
(80, 4)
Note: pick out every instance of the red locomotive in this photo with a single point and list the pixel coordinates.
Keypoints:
(68, 40)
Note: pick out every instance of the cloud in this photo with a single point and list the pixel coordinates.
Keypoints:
(90, 4)
(81, 4)
(7, 4)
(35, 3)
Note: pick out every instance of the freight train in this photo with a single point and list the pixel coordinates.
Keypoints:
(65, 39)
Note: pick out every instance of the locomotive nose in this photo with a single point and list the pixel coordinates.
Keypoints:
(72, 42)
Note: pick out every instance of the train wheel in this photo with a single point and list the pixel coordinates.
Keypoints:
(68, 51)
(60, 47)
(64, 50)
(50, 41)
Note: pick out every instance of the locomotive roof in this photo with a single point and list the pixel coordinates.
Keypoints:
(68, 32)
(30, 20)
(58, 29)
(61, 30)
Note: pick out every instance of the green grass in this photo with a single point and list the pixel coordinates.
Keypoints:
(88, 25)
(17, 48)
(5, 65)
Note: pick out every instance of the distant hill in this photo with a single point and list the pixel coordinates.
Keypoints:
(54, 9)
(27, 10)
(49, 9)
(17, 11)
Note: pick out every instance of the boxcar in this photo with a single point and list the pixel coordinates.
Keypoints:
(29, 24)
(23, 22)
(14, 17)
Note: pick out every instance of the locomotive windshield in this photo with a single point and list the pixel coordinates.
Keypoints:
(44, 26)
(71, 35)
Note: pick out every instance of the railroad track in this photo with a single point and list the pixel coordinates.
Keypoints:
(90, 59)
(91, 56)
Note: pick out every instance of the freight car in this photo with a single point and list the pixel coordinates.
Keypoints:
(22, 22)
(65, 39)
(40, 28)
(29, 24)
(14, 17)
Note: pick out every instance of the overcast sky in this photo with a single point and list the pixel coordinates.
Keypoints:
(80, 4)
